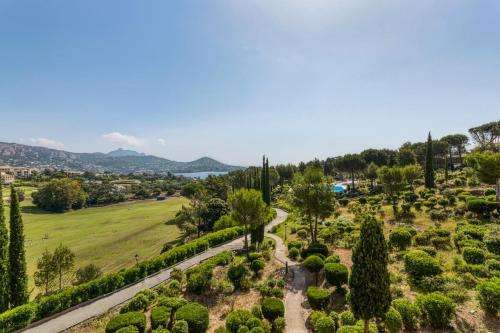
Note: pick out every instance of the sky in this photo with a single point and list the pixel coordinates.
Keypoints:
(234, 80)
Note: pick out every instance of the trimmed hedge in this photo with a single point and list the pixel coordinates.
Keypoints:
(419, 264)
(393, 321)
(137, 319)
(160, 315)
(138, 303)
(410, 313)
(237, 318)
(128, 329)
(400, 238)
(196, 315)
(315, 248)
(318, 298)
(272, 308)
(324, 325)
(437, 309)
(488, 295)
(17, 318)
(180, 326)
(473, 255)
(336, 274)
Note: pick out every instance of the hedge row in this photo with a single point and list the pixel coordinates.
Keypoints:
(22, 316)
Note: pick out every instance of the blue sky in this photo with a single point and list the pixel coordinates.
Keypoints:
(237, 79)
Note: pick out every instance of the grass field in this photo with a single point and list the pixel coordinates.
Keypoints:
(106, 236)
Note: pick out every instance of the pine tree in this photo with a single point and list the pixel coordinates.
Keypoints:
(4, 258)
(429, 164)
(369, 282)
(17, 256)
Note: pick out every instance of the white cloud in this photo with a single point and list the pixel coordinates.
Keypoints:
(125, 139)
(161, 141)
(47, 142)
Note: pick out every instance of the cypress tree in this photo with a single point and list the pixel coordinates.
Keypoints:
(429, 163)
(369, 282)
(4, 258)
(17, 256)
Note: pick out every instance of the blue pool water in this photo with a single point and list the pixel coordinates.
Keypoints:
(338, 188)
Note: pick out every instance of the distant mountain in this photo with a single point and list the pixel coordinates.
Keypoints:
(118, 161)
(120, 152)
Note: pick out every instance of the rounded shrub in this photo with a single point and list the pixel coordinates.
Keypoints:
(302, 233)
(138, 303)
(473, 255)
(318, 298)
(480, 206)
(488, 295)
(492, 241)
(400, 238)
(237, 273)
(137, 319)
(254, 322)
(347, 318)
(315, 315)
(196, 315)
(324, 325)
(279, 324)
(243, 329)
(293, 253)
(333, 259)
(257, 265)
(393, 321)
(294, 244)
(419, 264)
(437, 309)
(160, 330)
(128, 329)
(180, 326)
(316, 249)
(314, 263)
(272, 308)
(336, 274)
(160, 315)
(257, 330)
(237, 318)
(410, 313)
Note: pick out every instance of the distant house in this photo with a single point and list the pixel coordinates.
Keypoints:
(17, 171)
(7, 178)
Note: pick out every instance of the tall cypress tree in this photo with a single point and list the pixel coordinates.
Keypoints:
(429, 163)
(369, 282)
(4, 258)
(17, 256)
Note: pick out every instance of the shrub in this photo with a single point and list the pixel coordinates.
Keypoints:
(438, 215)
(419, 264)
(440, 242)
(488, 294)
(236, 273)
(302, 233)
(160, 330)
(492, 240)
(138, 303)
(334, 259)
(480, 206)
(253, 322)
(347, 318)
(319, 298)
(294, 244)
(237, 318)
(180, 326)
(293, 253)
(393, 321)
(324, 325)
(473, 255)
(196, 315)
(150, 294)
(128, 329)
(279, 324)
(257, 330)
(314, 264)
(315, 248)
(160, 315)
(410, 313)
(137, 319)
(350, 329)
(336, 274)
(315, 315)
(400, 238)
(437, 309)
(257, 265)
(17, 318)
(257, 312)
(277, 292)
(243, 329)
(272, 308)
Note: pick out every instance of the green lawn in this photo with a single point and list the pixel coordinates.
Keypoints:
(106, 236)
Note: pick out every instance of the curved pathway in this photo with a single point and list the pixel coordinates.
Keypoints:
(295, 296)
(68, 319)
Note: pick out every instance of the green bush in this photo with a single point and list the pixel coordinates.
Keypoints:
(137, 319)
(315, 248)
(488, 294)
(315, 315)
(347, 318)
(437, 309)
(237, 318)
(336, 274)
(150, 294)
(324, 325)
(253, 322)
(314, 264)
(138, 303)
(180, 326)
(294, 244)
(257, 265)
(481, 206)
(243, 329)
(293, 253)
(160, 330)
(236, 274)
(128, 329)
(393, 321)
(272, 308)
(400, 238)
(419, 264)
(473, 255)
(318, 298)
(279, 324)
(333, 259)
(257, 330)
(410, 313)
(17, 318)
(160, 315)
(196, 315)
(492, 240)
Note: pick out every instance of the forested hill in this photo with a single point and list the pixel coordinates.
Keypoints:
(23, 155)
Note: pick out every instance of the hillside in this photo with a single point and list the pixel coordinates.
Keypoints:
(119, 161)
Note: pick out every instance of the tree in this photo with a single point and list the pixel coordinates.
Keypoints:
(215, 208)
(392, 181)
(350, 163)
(17, 256)
(429, 163)
(457, 143)
(411, 173)
(371, 173)
(4, 258)
(247, 209)
(313, 200)
(487, 166)
(46, 271)
(199, 210)
(87, 273)
(60, 195)
(64, 261)
(369, 281)
(486, 136)
(407, 157)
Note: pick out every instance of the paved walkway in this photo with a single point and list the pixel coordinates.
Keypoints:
(74, 317)
(296, 294)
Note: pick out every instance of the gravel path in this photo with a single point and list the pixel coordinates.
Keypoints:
(76, 316)
(296, 291)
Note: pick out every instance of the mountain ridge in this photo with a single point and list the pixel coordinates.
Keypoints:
(16, 154)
